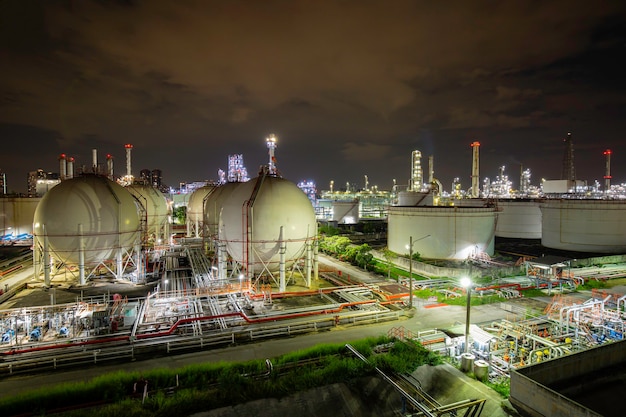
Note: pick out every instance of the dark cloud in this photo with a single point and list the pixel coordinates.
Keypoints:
(350, 88)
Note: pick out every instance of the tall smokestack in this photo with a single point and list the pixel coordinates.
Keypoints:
(607, 175)
(569, 172)
(70, 167)
(94, 160)
(129, 148)
(110, 166)
(475, 170)
(62, 166)
(431, 169)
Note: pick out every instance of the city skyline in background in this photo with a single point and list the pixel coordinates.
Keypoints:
(349, 88)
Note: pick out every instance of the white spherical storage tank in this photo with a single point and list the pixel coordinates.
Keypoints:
(520, 219)
(156, 208)
(91, 212)
(213, 204)
(195, 208)
(260, 216)
(584, 225)
(442, 232)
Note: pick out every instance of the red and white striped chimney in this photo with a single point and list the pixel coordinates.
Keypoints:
(475, 170)
(129, 148)
(62, 166)
(110, 166)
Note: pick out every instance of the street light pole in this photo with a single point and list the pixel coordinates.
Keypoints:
(411, 268)
(467, 319)
(467, 283)
(410, 272)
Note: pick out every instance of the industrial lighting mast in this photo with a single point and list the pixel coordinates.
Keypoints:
(271, 145)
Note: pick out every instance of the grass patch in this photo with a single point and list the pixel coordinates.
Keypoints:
(534, 292)
(475, 300)
(381, 268)
(593, 284)
(502, 387)
(212, 385)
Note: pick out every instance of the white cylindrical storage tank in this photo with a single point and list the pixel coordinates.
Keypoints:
(346, 212)
(213, 204)
(519, 219)
(597, 226)
(254, 216)
(104, 210)
(195, 208)
(471, 202)
(17, 214)
(442, 232)
(155, 205)
(414, 198)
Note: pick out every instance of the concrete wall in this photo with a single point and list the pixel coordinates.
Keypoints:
(529, 386)
(421, 268)
(609, 259)
(433, 271)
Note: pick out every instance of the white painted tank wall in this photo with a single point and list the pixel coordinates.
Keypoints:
(584, 225)
(346, 212)
(520, 219)
(213, 205)
(105, 210)
(470, 202)
(195, 206)
(455, 232)
(415, 198)
(155, 204)
(17, 213)
(278, 203)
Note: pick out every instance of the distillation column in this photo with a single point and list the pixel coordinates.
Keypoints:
(416, 171)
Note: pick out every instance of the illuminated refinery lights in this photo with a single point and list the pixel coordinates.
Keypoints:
(271, 145)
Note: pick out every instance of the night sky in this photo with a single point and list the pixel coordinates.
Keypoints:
(350, 88)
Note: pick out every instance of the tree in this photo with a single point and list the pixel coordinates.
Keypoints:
(364, 256)
(334, 245)
(179, 215)
(389, 256)
(328, 230)
(349, 255)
